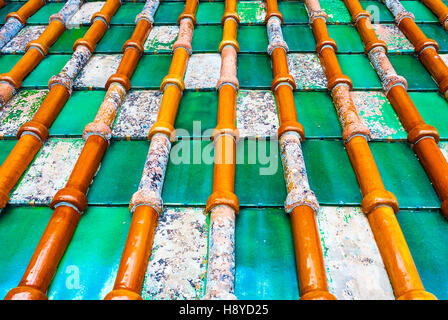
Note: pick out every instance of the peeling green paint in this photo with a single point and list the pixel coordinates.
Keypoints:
(251, 11)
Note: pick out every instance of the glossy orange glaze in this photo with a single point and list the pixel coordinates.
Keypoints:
(439, 9)
(378, 204)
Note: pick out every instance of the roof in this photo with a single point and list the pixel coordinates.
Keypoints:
(264, 254)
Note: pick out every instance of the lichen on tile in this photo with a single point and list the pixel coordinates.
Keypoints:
(251, 11)
(99, 68)
(19, 42)
(84, 14)
(353, 262)
(161, 39)
(203, 71)
(177, 266)
(307, 71)
(138, 114)
(372, 107)
(395, 39)
(256, 113)
(19, 110)
(48, 172)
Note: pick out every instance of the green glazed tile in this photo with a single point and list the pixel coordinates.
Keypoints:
(403, 175)
(438, 33)
(426, 233)
(21, 229)
(44, 13)
(119, 174)
(254, 71)
(79, 110)
(150, 71)
(433, 108)
(128, 11)
(316, 112)
(330, 173)
(199, 107)
(210, 12)
(293, 12)
(264, 255)
(50, 66)
(299, 38)
(114, 39)
(254, 39)
(420, 11)
(379, 12)
(352, 64)
(89, 266)
(168, 12)
(414, 72)
(206, 39)
(347, 38)
(259, 164)
(5, 148)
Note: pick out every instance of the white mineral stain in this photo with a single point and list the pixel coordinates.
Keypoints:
(203, 71)
(307, 71)
(371, 106)
(177, 266)
(161, 38)
(256, 113)
(443, 145)
(355, 270)
(49, 172)
(19, 42)
(19, 110)
(99, 68)
(84, 14)
(251, 11)
(394, 38)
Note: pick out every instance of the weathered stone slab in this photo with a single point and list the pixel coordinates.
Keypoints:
(99, 68)
(19, 42)
(307, 71)
(353, 263)
(49, 172)
(84, 14)
(161, 38)
(203, 71)
(177, 267)
(395, 39)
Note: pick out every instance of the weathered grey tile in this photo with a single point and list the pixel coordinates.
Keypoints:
(49, 172)
(84, 14)
(353, 263)
(161, 38)
(177, 266)
(138, 114)
(307, 71)
(394, 38)
(371, 106)
(203, 71)
(99, 68)
(19, 42)
(19, 110)
(256, 113)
